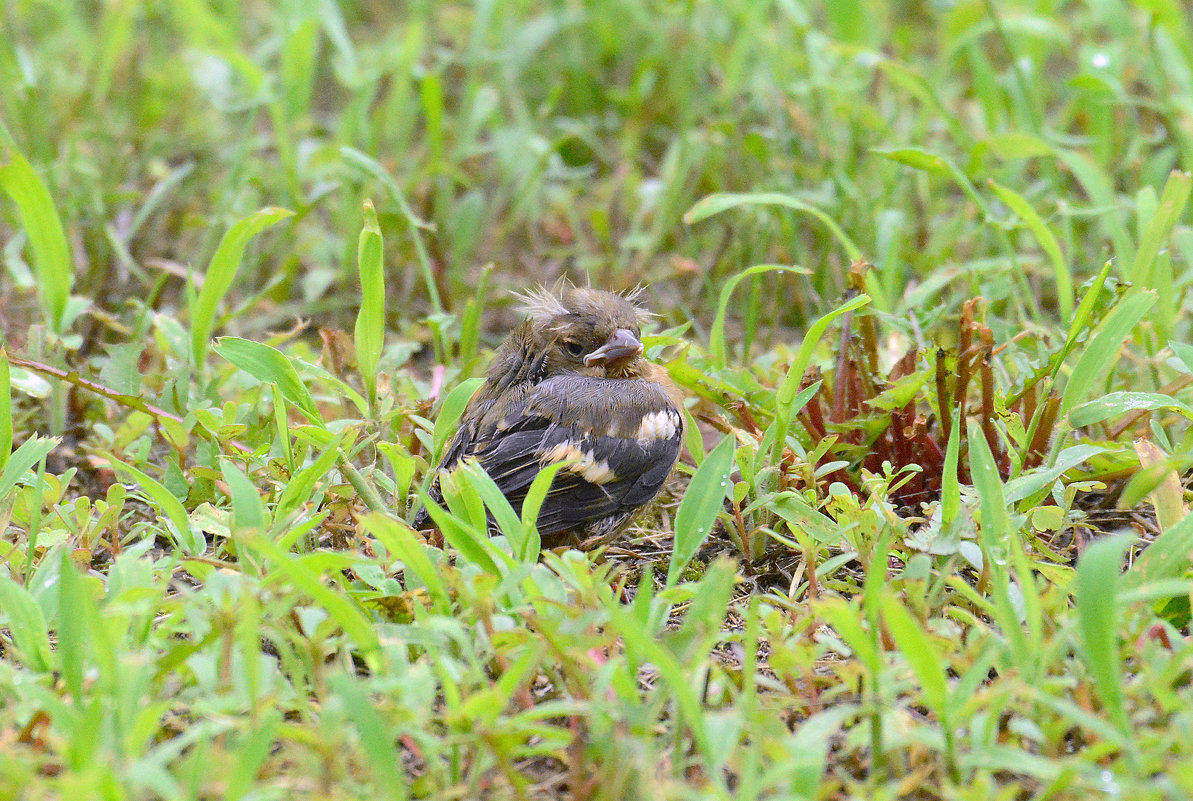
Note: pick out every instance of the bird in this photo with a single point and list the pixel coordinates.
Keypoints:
(571, 384)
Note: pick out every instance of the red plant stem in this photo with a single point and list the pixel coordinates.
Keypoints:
(1027, 406)
(841, 379)
(1043, 433)
(129, 401)
(814, 415)
(944, 401)
(988, 429)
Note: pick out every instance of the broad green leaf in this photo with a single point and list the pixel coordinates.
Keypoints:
(703, 500)
(950, 491)
(849, 622)
(1184, 353)
(248, 511)
(470, 321)
(918, 159)
(303, 573)
(701, 628)
(251, 752)
(926, 161)
(899, 394)
(1011, 145)
(375, 736)
(996, 526)
(71, 644)
(920, 652)
(270, 366)
(1170, 555)
(1090, 302)
(221, 273)
(469, 542)
(1033, 481)
(808, 748)
(498, 505)
(785, 400)
(643, 648)
(300, 488)
(532, 503)
(39, 218)
(995, 533)
(1114, 404)
(800, 516)
(403, 544)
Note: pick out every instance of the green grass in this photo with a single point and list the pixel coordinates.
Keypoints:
(255, 256)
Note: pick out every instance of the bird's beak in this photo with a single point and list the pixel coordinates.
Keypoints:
(621, 347)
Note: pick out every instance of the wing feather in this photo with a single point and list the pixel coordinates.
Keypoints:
(614, 470)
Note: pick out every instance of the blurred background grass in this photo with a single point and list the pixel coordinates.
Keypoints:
(568, 138)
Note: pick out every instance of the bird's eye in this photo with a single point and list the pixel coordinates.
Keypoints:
(573, 348)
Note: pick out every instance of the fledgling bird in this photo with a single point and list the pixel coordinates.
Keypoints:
(571, 383)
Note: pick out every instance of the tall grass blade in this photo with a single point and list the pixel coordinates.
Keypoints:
(1097, 620)
(1048, 243)
(369, 334)
(785, 401)
(39, 218)
(715, 204)
(221, 273)
(5, 412)
(702, 501)
(716, 336)
(1172, 204)
(1104, 347)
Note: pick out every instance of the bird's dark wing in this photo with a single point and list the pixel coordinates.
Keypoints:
(621, 438)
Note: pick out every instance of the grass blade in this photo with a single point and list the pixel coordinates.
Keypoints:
(702, 502)
(221, 273)
(369, 334)
(1048, 243)
(786, 407)
(1097, 620)
(449, 414)
(1104, 347)
(39, 217)
(192, 542)
(723, 201)
(716, 336)
(1172, 204)
(5, 412)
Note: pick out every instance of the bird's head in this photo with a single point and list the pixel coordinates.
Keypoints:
(586, 331)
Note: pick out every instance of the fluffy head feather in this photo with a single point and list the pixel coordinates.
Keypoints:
(543, 305)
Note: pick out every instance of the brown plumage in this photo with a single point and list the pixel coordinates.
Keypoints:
(570, 383)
